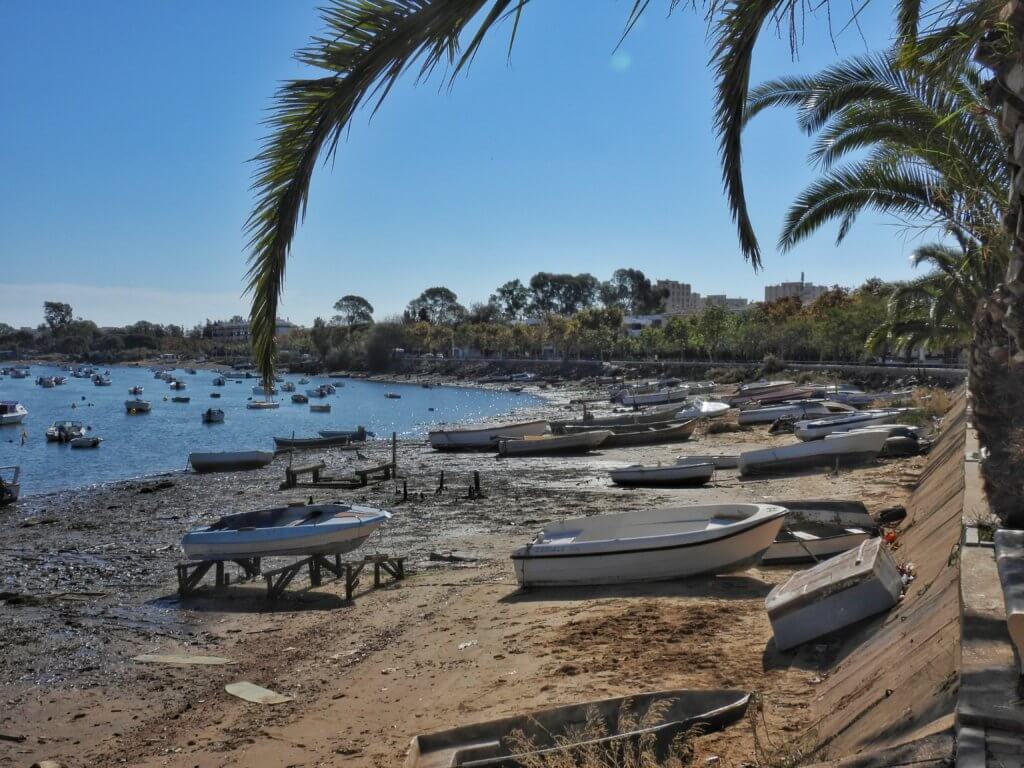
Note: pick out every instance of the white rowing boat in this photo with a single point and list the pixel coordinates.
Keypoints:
(841, 450)
(322, 529)
(533, 445)
(649, 545)
(229, 461)
(478, 438)
(702, 409)
(663, 474)
(816, 429)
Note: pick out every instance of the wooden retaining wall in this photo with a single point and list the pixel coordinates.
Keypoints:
(896, 677)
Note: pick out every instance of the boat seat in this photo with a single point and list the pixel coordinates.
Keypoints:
(805, 535)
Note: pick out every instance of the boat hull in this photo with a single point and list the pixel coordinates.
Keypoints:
(483, 438)
(232, 461)
(582, 442)
(667, 475)
(843, 450)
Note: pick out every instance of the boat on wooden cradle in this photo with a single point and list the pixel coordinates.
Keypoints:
(649, 545)
(535, 445)
(816, 429)
(835, 594)
(663, 474)
(296, 530)
(479, 438)
(262, 405)
(64, 431)
(10, 485)
(11, 412)
(213, 416)
(549, 732)
(650, 434)
(320, 407)
(137, 405)
(298, 397)
(229, 461)
(838, 450)
(311, 442)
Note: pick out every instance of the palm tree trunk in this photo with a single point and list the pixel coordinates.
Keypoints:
(996, 379)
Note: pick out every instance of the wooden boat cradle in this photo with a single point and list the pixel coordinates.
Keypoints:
(190, 574)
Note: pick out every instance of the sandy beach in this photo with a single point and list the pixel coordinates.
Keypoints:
(88, 583)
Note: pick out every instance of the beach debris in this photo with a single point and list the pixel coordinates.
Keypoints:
(12, 738)
(162, 485)
(467, 644)
(256, 694)
(180, 659)
(892, 515)
(47, 764)
(451, 557)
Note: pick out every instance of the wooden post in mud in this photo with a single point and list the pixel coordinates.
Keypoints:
(405, 490)
(394, 453)
(440, 482)
(476, 482)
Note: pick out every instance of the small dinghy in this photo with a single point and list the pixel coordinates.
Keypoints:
(262, 405)
(834, 594)
(137, 406)
(10, 486)
(547, 736)
(300, 398)
(311, 442)
(219, 381)
(392, 396)
(297, 530)
(64, 431)
(663, 474)
(215, 395)
(175, 384)
(229, 461)
(213, 416)
(478, 438)
(649, 545)
(652, 415)
(86, 442)
(287, 387)
(181, 399)
(817, 529)
(819, 428)
(533, 445)
(839, 450)
(650, 434)
(320, 407)
(702, 409)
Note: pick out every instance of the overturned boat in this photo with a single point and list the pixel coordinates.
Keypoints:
(229, 461)
(482, 438)
(649, 545)
(321, 529)
(545, 736)
(839, 450)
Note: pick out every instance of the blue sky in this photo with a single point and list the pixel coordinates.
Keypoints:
(129, 125)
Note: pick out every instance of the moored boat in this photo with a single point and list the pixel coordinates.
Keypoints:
(213, 416)
(288, 387)
(321, 529)
(550, 732)
(11, 412)
(64, 431)
(219, 381)
(264, 391)
(839, 450)
(229, 461)
(663, 474)
(533, 445)
(175, 384)
(181, 399)
(262, 405)
(137, 405)
(478, 438)
(85, 441)
(298, 397)
(320, 407)
(649, 545)
(135, 391)
(356, 434)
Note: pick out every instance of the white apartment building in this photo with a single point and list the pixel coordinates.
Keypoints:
(806, 292)
(681, 299)
(721, 300)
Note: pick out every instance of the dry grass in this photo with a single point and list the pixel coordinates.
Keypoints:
(721, 426)
(929, 403)
(583, 746)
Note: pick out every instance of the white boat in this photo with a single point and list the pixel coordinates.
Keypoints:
(175, 384)
(702, 409)
(46, 382)
(137, 405)
(263, 391)
(101, 380)
(181, 399)
(10, 486)
(213, 416)
(64, 431)
(262, 405)
(478, 438)
(658, 397)
(229, 461)
(719, 460)
(839, 450)
(321, 529)
(86, 442)
(663, 474)
(320, 408)
(533, 445)
(616, 726)
(797, 410)
(318, 392)
(288, 387)
(11, 412)
(19, 373)
(816, 429)
(135, 391)
(649, 545)
(768, 392)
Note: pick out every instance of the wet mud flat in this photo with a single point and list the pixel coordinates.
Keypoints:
(88, 582)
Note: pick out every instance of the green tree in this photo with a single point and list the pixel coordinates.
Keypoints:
(512, 299)
(632, 291)
(438, 306)
(353, 310)
(57, 315)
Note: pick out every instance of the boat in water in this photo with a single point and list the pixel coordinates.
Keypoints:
(102, 380)
(136, 391)
(137, 406)
(219, 381)
(649, 545)
(229, 461)
(483, 438)
(213, 416)
(10, 485)
(175, 384)
(262, 405)
(536, 445)
(181, 399)
(549, 733)
(296, 530)
(64, 431)
(11, 412)
(663, 474)
(837, 450)
(288, 387)
(298, 397)
(85, 441)
(320, 407)
(264, 391)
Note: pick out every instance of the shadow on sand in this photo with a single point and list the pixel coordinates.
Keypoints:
(736, 587)
(252, 598)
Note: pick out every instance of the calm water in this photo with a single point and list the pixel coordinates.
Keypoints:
(162, 439)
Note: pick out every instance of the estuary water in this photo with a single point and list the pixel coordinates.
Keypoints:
(160, 441)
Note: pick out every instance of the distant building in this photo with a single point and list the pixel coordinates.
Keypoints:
(680, 298)
(237, 329)
(731, 304)
(634, 324)
(804, 291)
